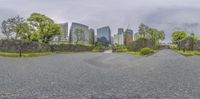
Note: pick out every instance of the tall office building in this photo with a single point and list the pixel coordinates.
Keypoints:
(64, 35)
(128, 36)
(91, 36)
(120, 31)
(116, 39)
(119, 37)
(80, 33)
(104, 35)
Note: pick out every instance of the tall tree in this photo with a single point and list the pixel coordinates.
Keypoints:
(156, 36)
(44, 28)
(9, 26)
(178, 36)
(23, 31)
(5, 29)
(143, 30)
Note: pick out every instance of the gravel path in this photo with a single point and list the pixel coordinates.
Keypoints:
(165, 74)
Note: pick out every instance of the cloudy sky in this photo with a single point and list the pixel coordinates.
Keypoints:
(167, 15)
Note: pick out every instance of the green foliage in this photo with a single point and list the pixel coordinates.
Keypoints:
(192, 37)
(119, 48)
(178, 36)
(188, 53)
(23, 31)
(43, 28)
(152, 34)
(99, 48)
(146, 51)
(9, 26)
(155, 36)
(143, 30)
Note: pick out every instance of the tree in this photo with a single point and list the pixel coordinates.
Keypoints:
(5, 29)
(9, 26)
(44, 28)
(23, 31)
(79, 35)
(156, 36)
(178, 36)
(143, 30)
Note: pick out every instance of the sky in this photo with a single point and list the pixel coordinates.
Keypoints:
(167, 15)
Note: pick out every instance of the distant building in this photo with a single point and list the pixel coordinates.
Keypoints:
(64, 34)
(116, 39)
(128, 36)
(80, 33)
(63, 37)
(120, 31)
(119, 37)
(91, 36)
(104, 35)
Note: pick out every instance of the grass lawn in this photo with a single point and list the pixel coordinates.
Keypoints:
(188, 53)
(27, 55)
(135, 53)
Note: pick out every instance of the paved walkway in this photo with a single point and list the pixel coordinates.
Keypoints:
(165, 74)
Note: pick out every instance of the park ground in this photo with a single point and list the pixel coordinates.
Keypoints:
(165, 74)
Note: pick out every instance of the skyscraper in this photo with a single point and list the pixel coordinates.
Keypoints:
(119, 37)
(104, 35)
(128, 36)
(120, 31)
(91, 36)
(80, 33)
(64, 35)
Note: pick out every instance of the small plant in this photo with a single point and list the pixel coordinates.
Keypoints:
(146, 51)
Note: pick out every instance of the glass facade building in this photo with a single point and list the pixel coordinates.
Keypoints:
(104, 35)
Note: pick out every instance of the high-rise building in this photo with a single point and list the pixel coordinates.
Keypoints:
(128, 36)
(104, 35)
(91, 36)
(64, 35)
(116, 39)
(80, 33)
(120, 31)
(119, 37)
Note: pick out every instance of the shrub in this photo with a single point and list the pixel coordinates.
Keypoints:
(146, 51)
(99, 48)
(119, 48)
(122, 50)
(139, 44)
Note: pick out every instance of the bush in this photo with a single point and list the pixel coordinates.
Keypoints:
(99, 48)
(146, 51)
(119, 48)
(139, 44)
(122, 50)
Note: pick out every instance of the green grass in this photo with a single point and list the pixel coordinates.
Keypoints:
(188, 53)
(135, 54)
(27, 55)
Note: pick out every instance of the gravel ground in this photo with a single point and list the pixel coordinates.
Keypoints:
(164, 75)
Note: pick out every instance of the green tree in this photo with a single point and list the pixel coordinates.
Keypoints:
(23, 31)
(143, 30)
(156, 36)
(79, 35)
(9, 26)
(178, 36)
(44, 28)
(5, 29)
